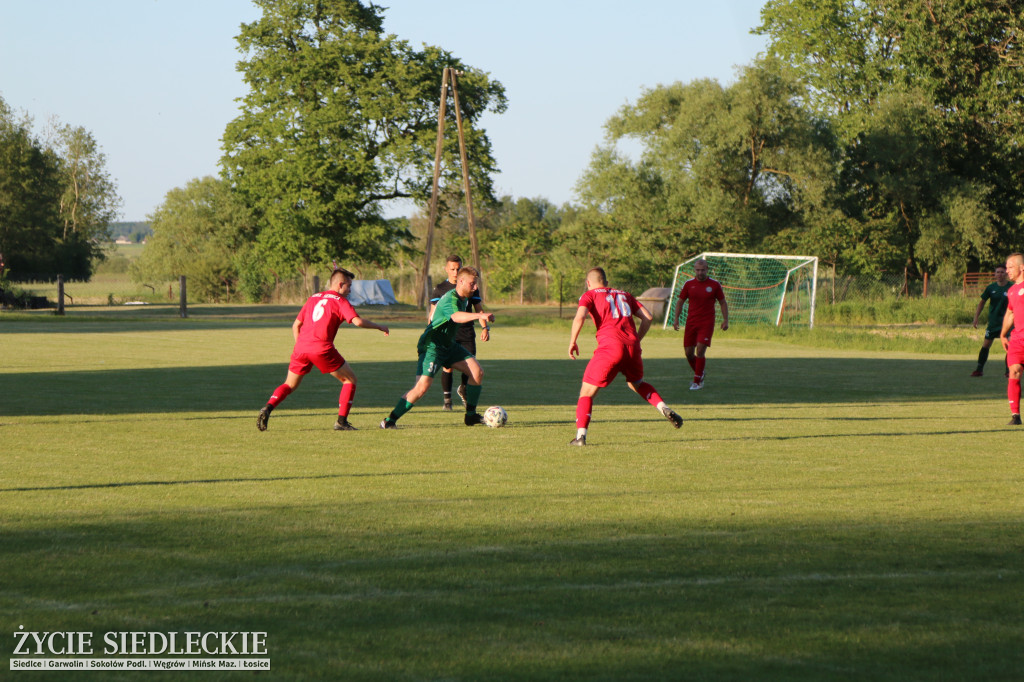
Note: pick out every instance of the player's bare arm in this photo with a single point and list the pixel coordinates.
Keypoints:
(296, 326)
(577, 327)
(367, 324)
(675, 319)
(725, 314)
(977, 312)
(1007, 325)
(645, 322)
(463, 317)
(485, 331)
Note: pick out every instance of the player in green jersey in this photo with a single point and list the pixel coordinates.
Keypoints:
(437, 348)
(995, 294)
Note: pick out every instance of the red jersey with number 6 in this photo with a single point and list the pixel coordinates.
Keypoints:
(702, 297)
(612, 311)
(321, 316)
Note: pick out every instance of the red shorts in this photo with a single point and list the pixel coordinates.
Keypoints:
(326, 361)
(698, 333)
(609, 360)
(1015, 353)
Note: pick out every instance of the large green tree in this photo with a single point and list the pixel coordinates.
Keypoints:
(721, 168)
(341, 118)
(926, 98)
(203, 231)
(56, 201)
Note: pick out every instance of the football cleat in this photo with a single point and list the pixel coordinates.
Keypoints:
(263, 417)
(676, 420)
(696, 386)
(976, 373)
(1014, 420)
(447, 407)
(385, 424)
(343, 426)
(472, 419)
(581, 441)
(461, 390)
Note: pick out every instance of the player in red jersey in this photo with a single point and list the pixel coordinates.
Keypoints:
(314, 330)
(618, 349)
(1014, 345)
(701, 292)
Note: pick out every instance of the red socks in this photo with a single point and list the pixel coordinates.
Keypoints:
(698, 369)
(348, 391)
(648, 393)
(280, 393)
(1013, 393)
(583, 409)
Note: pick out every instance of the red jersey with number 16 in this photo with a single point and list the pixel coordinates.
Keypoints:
(702, 297)
(612, 311)
(321, 316)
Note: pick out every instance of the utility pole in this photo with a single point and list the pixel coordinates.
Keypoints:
(449, 75)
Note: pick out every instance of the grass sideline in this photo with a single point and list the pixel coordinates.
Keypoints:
(824, 513)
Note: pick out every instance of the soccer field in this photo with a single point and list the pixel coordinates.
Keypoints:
(821, 515)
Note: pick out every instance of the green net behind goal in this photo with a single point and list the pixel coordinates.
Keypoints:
(758, 288)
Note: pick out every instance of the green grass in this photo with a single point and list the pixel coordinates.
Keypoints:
(823, 514)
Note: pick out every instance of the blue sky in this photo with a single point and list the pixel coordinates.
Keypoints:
(155, 80)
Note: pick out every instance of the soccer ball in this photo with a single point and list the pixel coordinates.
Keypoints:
(495, 417)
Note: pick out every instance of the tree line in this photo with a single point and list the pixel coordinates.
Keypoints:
(878, 135)
(56, 200)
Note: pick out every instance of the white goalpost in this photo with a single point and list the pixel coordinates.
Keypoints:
(759, 288)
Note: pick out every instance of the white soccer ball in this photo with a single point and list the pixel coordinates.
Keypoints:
(495, 417)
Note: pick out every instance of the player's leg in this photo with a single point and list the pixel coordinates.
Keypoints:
(632, 367)
(601, 371)
(983, 355)
(690, 346)
(446, 388)
(347, 377)
(584, 408)
(291, 382)
(1013, 386)
(475, 373)
(470, 345)
(406, 402)
(700, 360)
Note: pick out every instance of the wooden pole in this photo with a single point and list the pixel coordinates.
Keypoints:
(183, 304)
(60, 294)
(424, 296)
(465, 184)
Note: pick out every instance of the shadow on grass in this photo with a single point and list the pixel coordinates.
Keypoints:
(117, 319)
(209, 481)
(741, 382)
(347, 591)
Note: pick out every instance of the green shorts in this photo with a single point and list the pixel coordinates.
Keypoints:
(432, 359)
(994, 332)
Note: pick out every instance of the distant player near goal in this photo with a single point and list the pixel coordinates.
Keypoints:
(314, 330)
(995, 294)
(618, 349)
(1014, 345)
(701, 292)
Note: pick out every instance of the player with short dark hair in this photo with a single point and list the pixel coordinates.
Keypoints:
(1014, 345)
(438, 348)
(314, 330)
(466, 335)
(995, 294)
(618, 349)
(701, 292)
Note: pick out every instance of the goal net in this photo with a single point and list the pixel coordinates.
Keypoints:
(758, 288)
